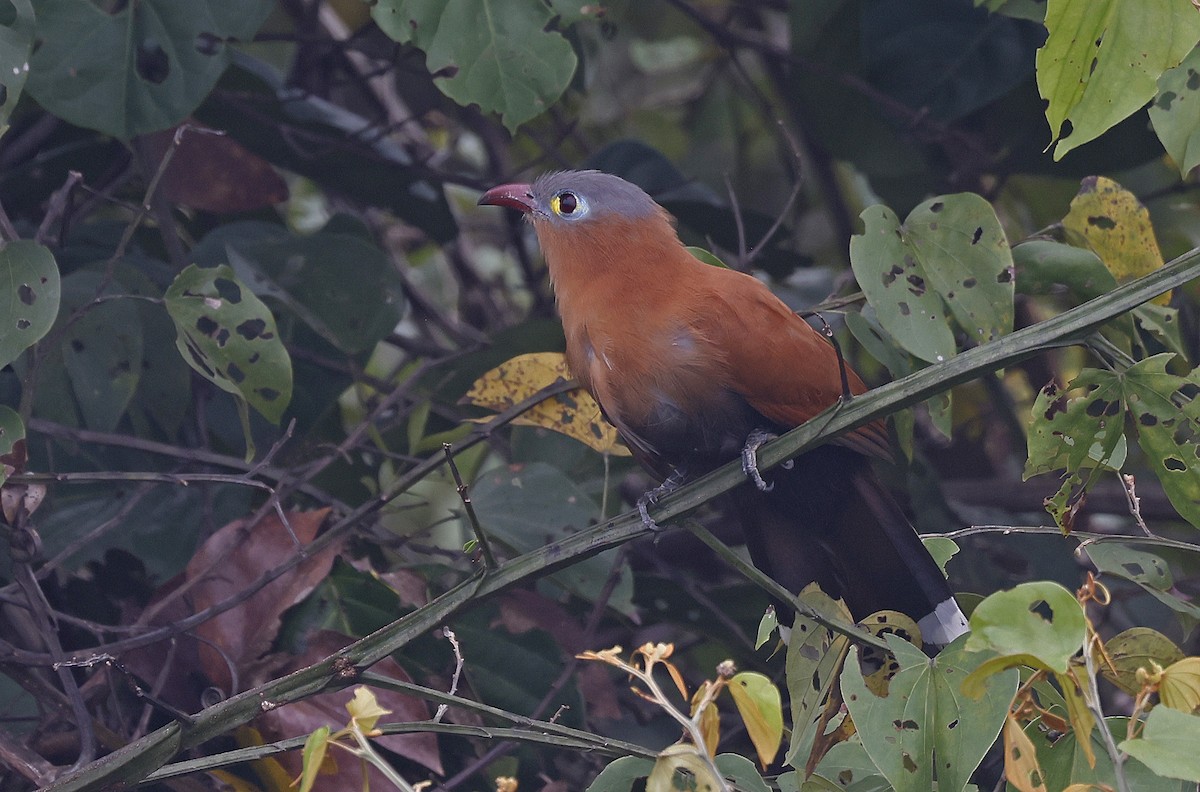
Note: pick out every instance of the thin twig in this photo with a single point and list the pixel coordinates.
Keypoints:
(56, 209)
(489, 558)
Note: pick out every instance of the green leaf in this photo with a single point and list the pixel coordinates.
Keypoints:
(227, 335)
(1175, 112)
(1166, 411)
(16, 41)
(761, 708)
(1136, 648)
(942, 549)
(1038, 624)
(1162, 323)
(742, 772)
(313, 756)
(925, 720)
(621, 774)
(1168, 744)
(29, 278)
(141, 69)
(814, 655)
(497, 54)
(767, 626)
(1043, 264)
(1065, 762)
(102, 349)
(707, 256)
(1074, 434)
(12, 432)
(1145, 569)
(1102, 59)
(950, 258)
(526, 507)
(847, 766)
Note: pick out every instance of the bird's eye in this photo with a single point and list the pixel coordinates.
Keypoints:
(567, 203)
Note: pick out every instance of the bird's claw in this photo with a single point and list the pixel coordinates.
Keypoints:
(750, 459)
(653, 496)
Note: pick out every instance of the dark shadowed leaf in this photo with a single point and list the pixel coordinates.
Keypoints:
(29, 279)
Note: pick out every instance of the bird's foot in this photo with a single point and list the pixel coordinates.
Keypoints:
(750, 458)
(653, 496)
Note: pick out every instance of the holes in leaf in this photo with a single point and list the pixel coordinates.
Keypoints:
(152, 63)
(26, 294)
(3, 95)
(268, 394)
(909, 764)
(1102, 222)
(1005, 276)
(970, 283)
(252, 329)
(916, 284)
(1043, 609)
(1174, 463)
(936, 207)
(903, 307)
(906, 725)
(235, 373)
(23, 324)
(1147, 419)
(229, 290)
(890, 276)
(1193, 80)
(978, 235)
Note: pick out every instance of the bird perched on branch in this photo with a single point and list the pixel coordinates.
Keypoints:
(695, 364)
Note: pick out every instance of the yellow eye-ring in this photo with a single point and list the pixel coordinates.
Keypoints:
(565, 204)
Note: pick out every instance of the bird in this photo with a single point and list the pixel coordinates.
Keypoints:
(696, 364)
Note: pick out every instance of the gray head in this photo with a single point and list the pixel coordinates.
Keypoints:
(575, 197)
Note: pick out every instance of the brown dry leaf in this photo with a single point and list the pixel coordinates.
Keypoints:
(329, 709)
(215, 173)
(1021, 766)
(1116, 226)
(575, 413)
(230, 561)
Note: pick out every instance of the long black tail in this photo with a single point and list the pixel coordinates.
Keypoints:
(829, 519)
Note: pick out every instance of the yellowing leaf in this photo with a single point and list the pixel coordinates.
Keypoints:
(1136, 648)
(1180, 687)
(574, 413)
(1116, 227)
(364, 709)
(710, 721)
(761, 708)
(1021, 766)
(1082, 719)
(681, 767)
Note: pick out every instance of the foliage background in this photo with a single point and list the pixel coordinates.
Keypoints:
(155, 512)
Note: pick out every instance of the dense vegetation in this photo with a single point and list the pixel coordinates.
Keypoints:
(284, 419)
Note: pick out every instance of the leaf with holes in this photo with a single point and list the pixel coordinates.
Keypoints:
(497, 54)
(1145, 569)
(1102, 58)
(1175, 113)
(949, 258)
(1074, 435)
(814, 656)
(227, 335)
(1133, 649)
(141, 69)
(1110, 221)
(29, 277)
(16, 42)
(1037, 624)
(1166, 411)
(925, 720)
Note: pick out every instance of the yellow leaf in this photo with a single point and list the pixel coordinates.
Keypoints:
(272, 775)
(574, 413)
(879, 666)
(1082, 719)
(710, 721)
(1180, 687)
(761, 708)
(1116, 227)
(233, 783)
(681, 766)
(364, 709)
(1021, 766)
